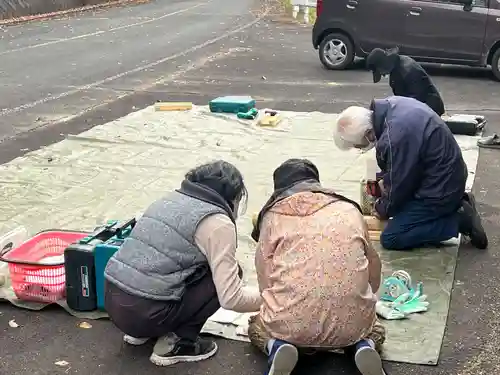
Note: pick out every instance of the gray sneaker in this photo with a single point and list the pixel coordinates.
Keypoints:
(169, 350)
(136, 341)
(368, 361)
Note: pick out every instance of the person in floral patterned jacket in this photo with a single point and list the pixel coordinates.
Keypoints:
(318, 274)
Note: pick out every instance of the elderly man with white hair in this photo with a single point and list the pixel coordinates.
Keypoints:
(423, 173)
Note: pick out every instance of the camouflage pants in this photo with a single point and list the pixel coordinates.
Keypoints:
(259, 336)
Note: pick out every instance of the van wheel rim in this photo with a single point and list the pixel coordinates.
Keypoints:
(335, 52)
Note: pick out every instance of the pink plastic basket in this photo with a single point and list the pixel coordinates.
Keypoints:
(33, 281)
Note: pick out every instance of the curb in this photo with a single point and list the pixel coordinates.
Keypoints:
(42, 16)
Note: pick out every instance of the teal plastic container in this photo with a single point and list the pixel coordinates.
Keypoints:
(102, 254)
(232, 104)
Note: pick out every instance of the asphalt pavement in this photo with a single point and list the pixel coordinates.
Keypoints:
(56, 69)
(273, 61)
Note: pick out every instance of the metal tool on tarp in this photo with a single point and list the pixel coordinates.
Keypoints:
(270, 112)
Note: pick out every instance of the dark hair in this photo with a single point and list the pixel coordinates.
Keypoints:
(293, 171)
(221, 176)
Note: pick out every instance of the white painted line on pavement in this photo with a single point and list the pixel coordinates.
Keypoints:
(8, 111)
(270, 81)
(123, 27)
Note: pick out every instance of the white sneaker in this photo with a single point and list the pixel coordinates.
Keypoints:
(284, 360)
(136, 341)
(454, 241)
(368, 361)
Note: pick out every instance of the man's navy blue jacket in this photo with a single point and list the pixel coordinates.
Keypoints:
(418, 155)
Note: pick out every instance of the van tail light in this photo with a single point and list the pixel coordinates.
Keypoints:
(319, 7)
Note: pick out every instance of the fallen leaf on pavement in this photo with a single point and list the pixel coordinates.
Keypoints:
(85, 325)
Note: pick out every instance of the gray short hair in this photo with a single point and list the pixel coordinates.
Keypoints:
(351, 127)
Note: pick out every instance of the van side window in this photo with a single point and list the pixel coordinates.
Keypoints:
(480, 3)
(476, 3)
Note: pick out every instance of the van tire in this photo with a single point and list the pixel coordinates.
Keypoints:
(495, 61)
(346, 45)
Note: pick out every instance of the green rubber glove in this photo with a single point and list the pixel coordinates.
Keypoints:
(250, 115)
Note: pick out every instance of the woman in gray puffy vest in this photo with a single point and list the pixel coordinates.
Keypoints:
(178, 267)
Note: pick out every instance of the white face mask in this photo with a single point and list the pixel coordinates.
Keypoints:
(369, 146)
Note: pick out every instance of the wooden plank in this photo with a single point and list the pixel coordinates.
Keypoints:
(173, 106)
(374, 235)
(374, 223)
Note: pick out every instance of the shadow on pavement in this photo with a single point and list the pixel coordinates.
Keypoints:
(437, 70)
(458, 71)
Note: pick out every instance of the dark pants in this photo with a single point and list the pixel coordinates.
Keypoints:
(422, 224)
(147, 318)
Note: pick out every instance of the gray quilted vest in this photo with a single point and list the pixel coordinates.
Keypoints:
(160, 256)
